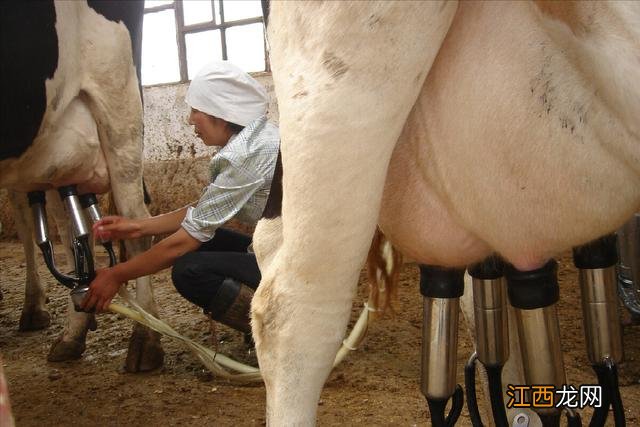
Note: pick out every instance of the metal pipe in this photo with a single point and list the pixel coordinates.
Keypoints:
(85, 269)
(441, 290)
(89, 202)
(629, 249)
(83, 257)
(539, 335)
(93, 212)
(492, 333)
(596, 261)
(37, 201)
(601, 318)
(439, 347)
(77, 296)
(533, 294)
(629, 264)
(492, 330)
(69, 196)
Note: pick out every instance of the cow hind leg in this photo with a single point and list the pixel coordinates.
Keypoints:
(70, 345)
(145, 351)
(120, 130)
(34, 313)
(334, 162)
(297, 330)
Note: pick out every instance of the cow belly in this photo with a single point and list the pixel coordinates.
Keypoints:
(67, 152)
(508, 148)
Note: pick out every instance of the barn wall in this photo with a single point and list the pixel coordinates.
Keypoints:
(175, 168)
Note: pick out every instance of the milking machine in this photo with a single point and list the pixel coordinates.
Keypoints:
(492, 338)
(533, 295)
(441, 290)
(596, 262)
(79, 279)
(629, 265)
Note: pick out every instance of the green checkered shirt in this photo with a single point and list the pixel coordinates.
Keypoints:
(241, 174)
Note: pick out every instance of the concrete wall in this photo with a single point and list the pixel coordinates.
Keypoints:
(176, 162)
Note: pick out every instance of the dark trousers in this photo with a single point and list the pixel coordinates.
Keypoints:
(198, 275)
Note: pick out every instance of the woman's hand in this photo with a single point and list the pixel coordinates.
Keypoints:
(101, 291)
(117, 227)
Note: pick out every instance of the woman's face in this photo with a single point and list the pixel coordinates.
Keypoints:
(211, 130)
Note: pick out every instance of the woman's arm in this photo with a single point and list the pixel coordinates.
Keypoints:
(165, 223)
(160, 256)
(117, 227)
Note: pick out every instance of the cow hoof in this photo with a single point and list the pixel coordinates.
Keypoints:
(34, 320)
(145, 351)
(65, 350)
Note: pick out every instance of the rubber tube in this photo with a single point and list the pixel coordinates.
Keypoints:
(470, 391)
(494, 375)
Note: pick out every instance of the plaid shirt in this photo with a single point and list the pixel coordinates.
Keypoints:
(241, 174)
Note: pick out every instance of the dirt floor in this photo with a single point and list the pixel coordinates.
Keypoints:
(377, 385)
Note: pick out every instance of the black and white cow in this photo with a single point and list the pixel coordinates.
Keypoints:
(72, 114)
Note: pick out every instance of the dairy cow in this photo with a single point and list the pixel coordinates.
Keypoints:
(460, 129)
(72, 114)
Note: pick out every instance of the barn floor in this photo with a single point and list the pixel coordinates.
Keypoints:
(377, 385)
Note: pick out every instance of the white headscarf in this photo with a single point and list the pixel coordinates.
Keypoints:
(223, 90)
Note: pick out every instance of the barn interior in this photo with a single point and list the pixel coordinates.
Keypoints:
(377, 385)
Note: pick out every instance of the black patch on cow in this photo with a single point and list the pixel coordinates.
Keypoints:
(28, 57)
(131, 13)
(273, 209)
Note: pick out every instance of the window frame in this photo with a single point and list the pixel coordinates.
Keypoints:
(182, 30)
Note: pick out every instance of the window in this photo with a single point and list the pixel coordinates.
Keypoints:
(181, 36)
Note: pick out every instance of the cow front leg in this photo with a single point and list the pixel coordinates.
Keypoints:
(34, 313)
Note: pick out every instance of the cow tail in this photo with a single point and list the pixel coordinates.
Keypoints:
(383, 271)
